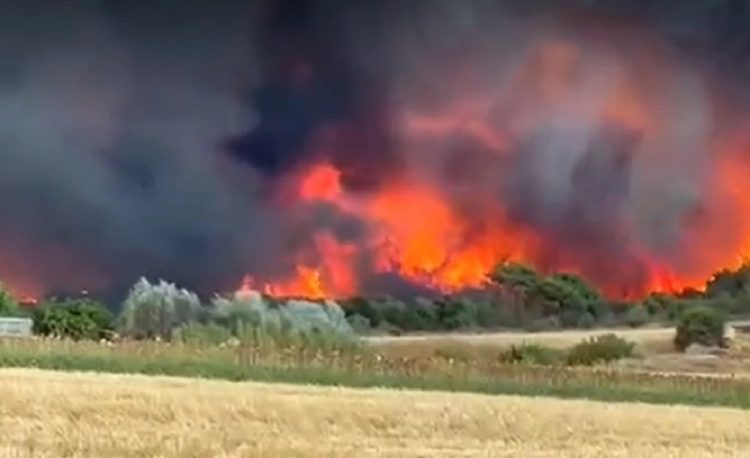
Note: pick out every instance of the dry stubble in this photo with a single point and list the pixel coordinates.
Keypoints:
(62, 414)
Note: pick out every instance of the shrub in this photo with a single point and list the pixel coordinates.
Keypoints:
(360, 324)
(456, 313)
(666, 306)
(156, 310)
(531, 354)
(702, 325)
(247, 308)
(309, 317)
(387, 328)
(568, 297)
(420, 315)
(600, 349)
(250, 315)
(550, 323)
(391, 310)
(729, 305)
(8, 303)
(608, 319)
(487, 313)
(636, 316)
(74, 319)
(516, 276)
(730, 282)
(364, 307)
(586, 320)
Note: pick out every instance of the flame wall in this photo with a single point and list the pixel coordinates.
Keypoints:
(391, 147)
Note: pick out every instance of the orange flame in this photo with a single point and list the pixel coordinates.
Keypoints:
(415, 230)
(321, 183)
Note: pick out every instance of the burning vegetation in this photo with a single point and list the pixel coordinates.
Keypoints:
(383, 148)
(606, 159)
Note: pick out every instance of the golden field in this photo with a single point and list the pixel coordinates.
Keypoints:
(647, 340)
(653, 345)
(73, 414)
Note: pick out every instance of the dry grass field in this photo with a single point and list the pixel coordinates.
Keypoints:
(653, 345)
(648, 341)
(72, 414)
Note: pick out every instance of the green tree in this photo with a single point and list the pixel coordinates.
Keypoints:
(732, 282)
(517, 280)
(636, 316)
(515, 275)
(456, 313)
(568, 297)
(666, 306)
(702, 325)
(563, 295)
(73, 318)
(156, 310)
(8, 303)
(359, 323)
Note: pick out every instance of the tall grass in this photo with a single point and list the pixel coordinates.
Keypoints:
(258, 356)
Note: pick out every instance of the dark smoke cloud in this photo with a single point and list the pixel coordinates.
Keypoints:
(309, 83)
(115, 117)
(111, 114)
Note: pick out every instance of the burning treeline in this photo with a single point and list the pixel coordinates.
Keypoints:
(397, 146)
(573, 150)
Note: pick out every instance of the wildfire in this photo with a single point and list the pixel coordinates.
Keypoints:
(331, 275)
(420, 228)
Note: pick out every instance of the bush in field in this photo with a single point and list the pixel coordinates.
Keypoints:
(240, 310)
(308, 317)
(394, 312)
(568, 297)
(418, 318)
(702, 325)
(515, 276)
(250, 317)
(550, 323)
(359, 323)
(666, 306)
(636, 316)
(155, 310)
(456, 313)
(585, 320)
(600, 349)
(368, 308)
(389, 313)
(8, 303)
(532, 354)
(564, 295)
(73, 318)
(729, 282)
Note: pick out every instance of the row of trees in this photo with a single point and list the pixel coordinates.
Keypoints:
(519, 297)
(163, 311)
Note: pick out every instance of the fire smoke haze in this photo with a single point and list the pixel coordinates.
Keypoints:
(332, 148)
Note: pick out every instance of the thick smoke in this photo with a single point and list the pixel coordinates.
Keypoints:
(310, 87)
(112, 115)
(116, 117)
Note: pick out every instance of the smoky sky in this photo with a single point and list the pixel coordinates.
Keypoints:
(141, 138)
